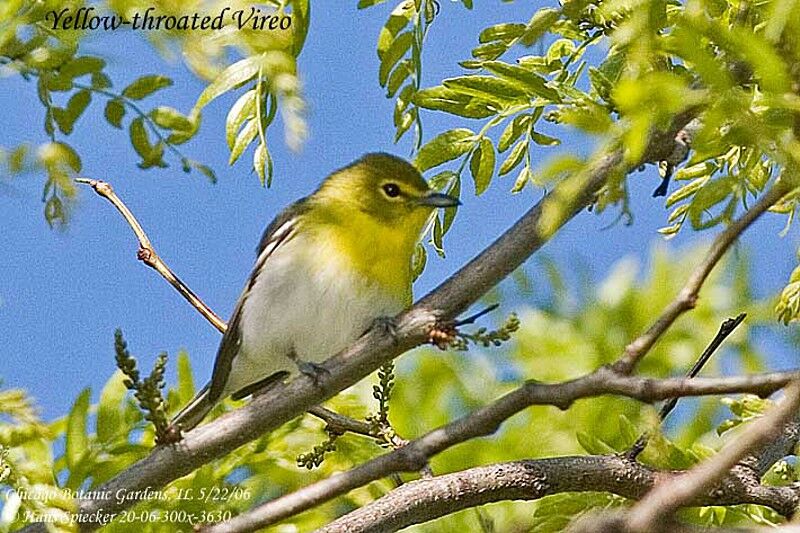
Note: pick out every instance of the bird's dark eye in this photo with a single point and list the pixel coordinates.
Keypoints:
(391, 190)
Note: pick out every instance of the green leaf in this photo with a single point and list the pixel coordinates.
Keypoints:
(398, 20)
(418, 261)
(109, 410)
(77, 439)
(523, 79)
(80, 66)
(489, 88)
(514, 158)
(171, 119)
(686, 191)
(262, 162)
(505, 32)
(393, 55)
(522, 179)
(244, 108)
(544, 140)
(243, 140)
(230, 78)
(593, 444)
(482, 165)
(57, 82)
(145, 86)
(76, 105)
(57, 155)
(443, 148)
(442, 98)
(514, 129)
(300, 24)
(398, 76)
(114, 112)
(489, 50)
(363, 4)
(542, 21)
(713, 192)
(467, 3)
(100, 80)
(139, 139)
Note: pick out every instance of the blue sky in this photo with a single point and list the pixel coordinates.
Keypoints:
(62, 293)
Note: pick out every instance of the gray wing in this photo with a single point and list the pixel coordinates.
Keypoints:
(279, 231)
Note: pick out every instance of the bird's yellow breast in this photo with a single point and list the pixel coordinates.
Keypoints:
(380, 253)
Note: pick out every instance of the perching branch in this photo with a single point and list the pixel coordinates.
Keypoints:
(675, 492)
(284, 402)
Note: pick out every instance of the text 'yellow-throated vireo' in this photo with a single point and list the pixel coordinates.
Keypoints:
(328, 266)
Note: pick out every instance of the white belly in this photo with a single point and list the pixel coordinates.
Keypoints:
(304, 304)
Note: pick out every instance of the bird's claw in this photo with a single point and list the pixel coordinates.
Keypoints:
(313, 370)
(386, 325)
(443, 334)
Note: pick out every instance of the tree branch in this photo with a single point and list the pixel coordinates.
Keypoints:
(486, 420)
(677, 491)
(427, 499)
(687, 297)
(147, 254)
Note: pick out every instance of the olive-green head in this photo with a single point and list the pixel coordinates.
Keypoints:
(385, 187)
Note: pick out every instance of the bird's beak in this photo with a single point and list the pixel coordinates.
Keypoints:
(437, 199)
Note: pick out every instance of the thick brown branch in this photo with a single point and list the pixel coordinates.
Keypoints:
(678, 491)
(486, 420)
(687, 297)
(426, 499)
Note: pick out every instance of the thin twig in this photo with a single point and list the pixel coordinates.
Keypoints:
(687, 297)
(148, 255)
(725, 330)
(678, 491)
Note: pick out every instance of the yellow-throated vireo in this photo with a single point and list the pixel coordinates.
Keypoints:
(328, 266)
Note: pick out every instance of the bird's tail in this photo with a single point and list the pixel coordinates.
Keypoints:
(195, 411)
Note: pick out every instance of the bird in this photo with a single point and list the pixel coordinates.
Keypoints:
(327, 267)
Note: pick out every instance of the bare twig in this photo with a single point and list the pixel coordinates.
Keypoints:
(687, 297)
(725, 330)
(341, 424)
(148, 255)
(677, 491)
(426, 499)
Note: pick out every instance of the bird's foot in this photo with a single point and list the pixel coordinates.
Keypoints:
(313, 370)
(442, 334)
(387, 325)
